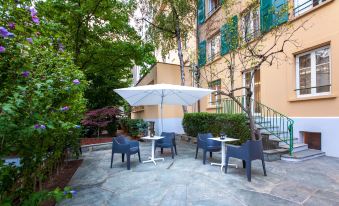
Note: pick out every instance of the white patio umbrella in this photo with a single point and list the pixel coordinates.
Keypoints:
(162, 94)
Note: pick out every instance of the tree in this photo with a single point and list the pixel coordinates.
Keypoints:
(101, 118)
(41, 101)
(170, 21)
(253, 52)
(103, 43)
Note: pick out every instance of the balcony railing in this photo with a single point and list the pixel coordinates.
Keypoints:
(300, 9)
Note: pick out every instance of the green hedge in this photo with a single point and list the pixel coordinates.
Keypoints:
(134, 127)
(233, 125)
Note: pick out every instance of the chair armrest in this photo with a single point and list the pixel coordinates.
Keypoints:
(134, 143)
(231, 148)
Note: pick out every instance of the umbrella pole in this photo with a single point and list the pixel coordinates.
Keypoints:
(161, 112)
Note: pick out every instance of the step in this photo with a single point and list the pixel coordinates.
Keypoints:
(274, 154)
(274, 138)
(297, 147)
(303, 155)
(276, 133)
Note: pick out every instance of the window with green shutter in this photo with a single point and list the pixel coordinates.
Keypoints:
(265, 15)
(202, 53)
(201, 11)
(272, 13)
(229, 36)
(280, 14)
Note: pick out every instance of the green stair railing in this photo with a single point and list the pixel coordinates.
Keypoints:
(273, 122)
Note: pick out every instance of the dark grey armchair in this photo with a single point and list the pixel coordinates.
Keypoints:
(124, 146)
(251, 150)
(207, 145)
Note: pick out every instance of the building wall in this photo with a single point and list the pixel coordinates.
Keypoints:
(278, 82)
(163, 73)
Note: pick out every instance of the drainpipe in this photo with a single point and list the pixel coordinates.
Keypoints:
(196, 68)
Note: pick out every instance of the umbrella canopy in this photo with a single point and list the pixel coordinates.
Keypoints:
(162, 94)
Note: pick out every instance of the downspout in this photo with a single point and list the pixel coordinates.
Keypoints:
(196, 55)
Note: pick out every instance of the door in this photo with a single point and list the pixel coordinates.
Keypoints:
(255, 88)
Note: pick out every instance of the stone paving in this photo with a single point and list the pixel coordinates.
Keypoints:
(186, 181)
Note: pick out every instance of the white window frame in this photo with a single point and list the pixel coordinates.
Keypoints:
(212, 10)
(217, 44)
(214, 94)
(313, 73)
(305, 6)
(253, 35)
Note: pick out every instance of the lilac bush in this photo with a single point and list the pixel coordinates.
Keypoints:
(41, 100)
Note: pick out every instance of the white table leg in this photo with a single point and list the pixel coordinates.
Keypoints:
(223, 157)
(152, 159)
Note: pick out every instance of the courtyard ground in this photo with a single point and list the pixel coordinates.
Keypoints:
(186, 181)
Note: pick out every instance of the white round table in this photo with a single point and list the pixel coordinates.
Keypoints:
(152, 159)
(223, 151)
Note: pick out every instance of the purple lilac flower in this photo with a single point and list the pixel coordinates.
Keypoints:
(4, 32)
(35, 19)
(30, 40)
(11, 25)
(36, 126)
(65, 108)
(61, 47)
(2, 49)
(33, 11)
(42, 126)
(76, 81)
(25, 74)
(10, 34)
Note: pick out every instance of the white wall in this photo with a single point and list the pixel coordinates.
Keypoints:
(327, 126)
(170, 125)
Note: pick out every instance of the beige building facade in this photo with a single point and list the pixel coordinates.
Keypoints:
(304, 84)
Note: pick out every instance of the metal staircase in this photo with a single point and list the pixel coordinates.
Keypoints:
(271, 123)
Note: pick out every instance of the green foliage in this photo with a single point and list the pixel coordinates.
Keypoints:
(134, 127)
(41, 100)
(112, 128)
(103, 43)
(233, 125)
(164, 28)
(57, 194)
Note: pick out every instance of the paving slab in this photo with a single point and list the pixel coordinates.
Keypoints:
(185, 180)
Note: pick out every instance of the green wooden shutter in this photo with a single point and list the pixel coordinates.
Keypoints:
(280, 12)
(201, 11)
(202, 53)
(234, 33)
(265, 15)
(229, 36)
(224, 49)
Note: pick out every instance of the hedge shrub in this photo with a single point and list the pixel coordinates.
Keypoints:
(134, 127)
(233, 125)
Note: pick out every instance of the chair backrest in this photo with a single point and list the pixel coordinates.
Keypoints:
(169, 136)
(205, 138)
(120, 140)
(254, 148)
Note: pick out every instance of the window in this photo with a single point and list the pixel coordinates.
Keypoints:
(212, 6)
(301, 6)
(314, 72)
(213, 47)
(251, 24)
(215, 97)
